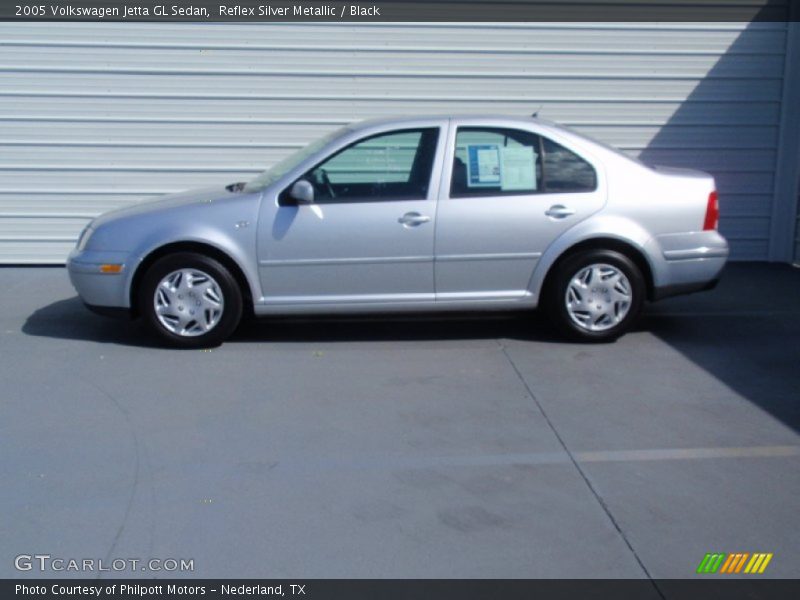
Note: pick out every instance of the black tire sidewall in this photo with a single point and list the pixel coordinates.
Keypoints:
(231, 292)
(566, 269)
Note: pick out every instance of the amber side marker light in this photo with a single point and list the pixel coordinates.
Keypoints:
(111, 269)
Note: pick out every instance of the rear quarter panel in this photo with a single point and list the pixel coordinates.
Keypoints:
(643, 207)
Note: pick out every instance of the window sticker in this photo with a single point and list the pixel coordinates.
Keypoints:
(518, 168)
(483, 165)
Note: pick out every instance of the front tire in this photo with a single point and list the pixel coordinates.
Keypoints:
(596, 295)
(190, 300)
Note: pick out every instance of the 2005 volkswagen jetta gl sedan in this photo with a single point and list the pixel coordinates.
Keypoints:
(415, 214)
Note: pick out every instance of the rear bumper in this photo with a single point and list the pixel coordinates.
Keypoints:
(686, 263)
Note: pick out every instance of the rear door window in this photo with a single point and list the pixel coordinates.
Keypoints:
(503, 162)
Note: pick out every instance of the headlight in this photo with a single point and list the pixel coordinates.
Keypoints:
(84, 237)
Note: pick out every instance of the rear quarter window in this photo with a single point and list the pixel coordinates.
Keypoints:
(565, 171)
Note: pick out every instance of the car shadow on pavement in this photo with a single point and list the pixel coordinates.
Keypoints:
(744, 333)
(69, 319)
(529, 327)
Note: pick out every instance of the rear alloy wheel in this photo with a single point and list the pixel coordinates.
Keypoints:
(596, 295)
(190, 300)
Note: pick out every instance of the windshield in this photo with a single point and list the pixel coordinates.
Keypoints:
(282, 167)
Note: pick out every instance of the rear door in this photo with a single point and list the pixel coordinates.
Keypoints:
(510, 193)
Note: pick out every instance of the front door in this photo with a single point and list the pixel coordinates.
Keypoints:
(368, 236)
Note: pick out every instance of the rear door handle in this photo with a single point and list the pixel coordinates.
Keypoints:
(559, 211)
(412, 219)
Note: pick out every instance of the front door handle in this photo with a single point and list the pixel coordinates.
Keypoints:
(412, 219)
(559, 211)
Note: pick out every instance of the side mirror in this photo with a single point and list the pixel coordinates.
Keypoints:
(302, 192)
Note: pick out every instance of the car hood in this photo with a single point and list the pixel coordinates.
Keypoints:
(171, 201)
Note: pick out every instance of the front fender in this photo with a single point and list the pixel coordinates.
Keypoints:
(238, 249)
(228, 226)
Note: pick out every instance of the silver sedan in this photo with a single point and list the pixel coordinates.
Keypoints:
(415, 214)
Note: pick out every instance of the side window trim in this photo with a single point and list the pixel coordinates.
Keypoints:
(544, 167)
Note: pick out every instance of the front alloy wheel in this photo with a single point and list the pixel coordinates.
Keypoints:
(190, 300)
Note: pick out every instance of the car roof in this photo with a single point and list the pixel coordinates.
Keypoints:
(491, 120)
(559, 132)
(411, 119)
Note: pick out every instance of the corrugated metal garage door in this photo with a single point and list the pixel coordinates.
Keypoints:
(99, 115)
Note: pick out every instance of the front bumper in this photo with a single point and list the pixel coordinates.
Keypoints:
(97, 289)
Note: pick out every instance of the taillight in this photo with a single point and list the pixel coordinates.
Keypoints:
(712, 212)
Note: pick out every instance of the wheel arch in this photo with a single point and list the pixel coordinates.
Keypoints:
(200, 248)
(604, 243)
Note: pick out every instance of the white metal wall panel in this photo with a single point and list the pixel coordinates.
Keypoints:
(98, 115)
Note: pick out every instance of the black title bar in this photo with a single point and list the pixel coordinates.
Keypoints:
(399, 10)
(711, 588)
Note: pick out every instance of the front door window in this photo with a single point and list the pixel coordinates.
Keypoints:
(386, 167)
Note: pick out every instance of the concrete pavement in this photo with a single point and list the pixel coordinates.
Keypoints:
(428, 447)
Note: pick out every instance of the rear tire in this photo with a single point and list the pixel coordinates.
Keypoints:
(190, 300)
(595, 295)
